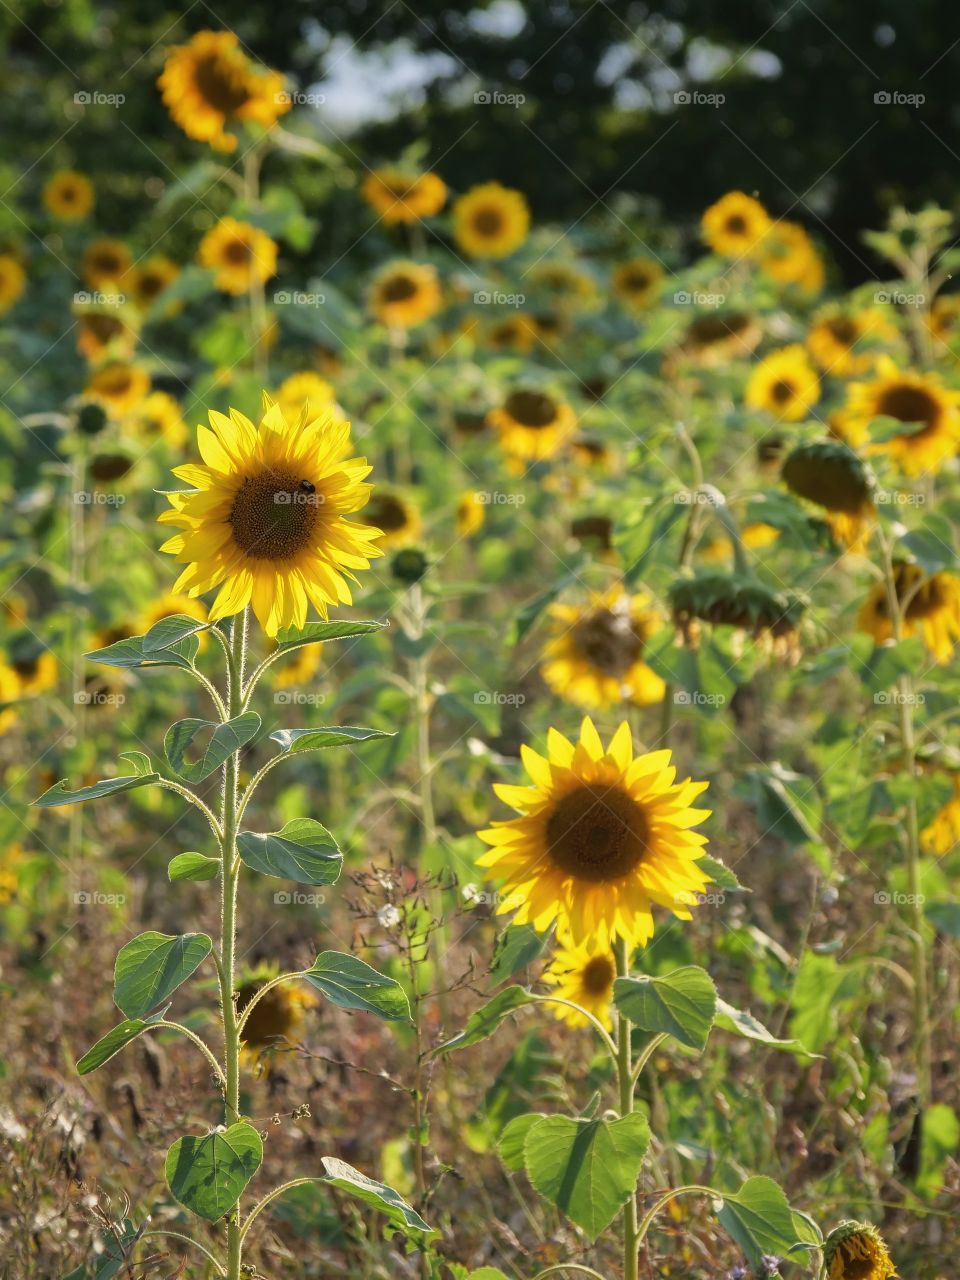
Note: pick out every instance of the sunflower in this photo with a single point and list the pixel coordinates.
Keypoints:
(209, 83)
(490, 221)
(720, 336)
(918, 399)
(9, 696)
(830, 474)
(518, 333)
(471, 514)
(734, 225)
(583, 973)
(594, 657)
(532, 424)
(13, 281)
(857, 1251)
(591, 452)
(771, 618)
(601, 838)
(638, 282)
(104, 332)
(943, 322)
(788, 256)
(563, 284)
(405, 294)
(158, 417)
(277, 1017)
(119, 387)
(265, 521)
(147, 280)
(68, 195)
(36, 670)
(755, 537)
(105, 263)
(239, 254)
(398, 196)
(943, 832)
(929, 606)
(841, 341)
(398, 522)
(784, 383)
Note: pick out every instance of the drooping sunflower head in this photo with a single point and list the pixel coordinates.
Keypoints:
(238, 254)
(584, 974)
(120, 387)
(265, 519)
(857, 1251)
(13, 281)
(602, 837)
(106, 263)
(396, 519)
(68, 195)
(150, 278)
(532, 424)
(399, 196)
(930, 414)
(787, 254)
(771, 618)
(830, 474)
(784, 384)
(843, 342)
(733, 226)
(929, 607)
(638, 282)
(594, 655)
(405, 294)
(490, 221)
(209, 83)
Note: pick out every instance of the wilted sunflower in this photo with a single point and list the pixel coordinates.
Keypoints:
(13, 281)
(917, 399)
(490, 221)
(471, 514)
(277, 1017)
(771, 618)
(159, 418)
(830, 474)
(784, 383)
(718, 337)
(147, 280)
(857, 1251)
(105, 332)
(638, 282)
(120, 387)
(943, 832)
(733, 226)
(840, 341)
(594, 656)
(787, 254)
(929, 605)
(265, 518)
(397, 521)
(105, 263)
(399, 196)
(602, 837)
(209, 82)
(583, 973)
(405, 294)
(238, 254)
(532, 425)
(68, 195)
(307, 390)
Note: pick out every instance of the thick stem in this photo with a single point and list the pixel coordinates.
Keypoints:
(626, 1082)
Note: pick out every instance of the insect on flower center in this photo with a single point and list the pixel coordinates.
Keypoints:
(598, 975)
(597, 833)
(609, 641)
(531, 409)
(274, 515)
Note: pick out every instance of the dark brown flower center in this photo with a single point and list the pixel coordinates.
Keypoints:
(910, 404)
(708, 329)
(531, 409)
(272, 1018)
(274, 515)
(107, 261)
(102, 328)
(598, 975)
(385, 512)
(398, 288)
(597, 833)
(237, 252)
(843, 330)
(782, 391)
(220, 85)
(637, 279)
(488, 221)
(736, 224)
(922, 600)
(151, 283)
(609, 641)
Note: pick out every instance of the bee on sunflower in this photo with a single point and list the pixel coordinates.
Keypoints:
(843, 342)
(490, 221)
(265, 518)
(734, 225)
(68, 195)
(119, 386)
(784, 384)
(405, 294)
(584, 974)
(930, 414)
(209, 83)
(532, 424)
(638, 282)
(401, 197)
(594, 655)
(13, 281)
(829, 473)
(239, 255)
(857, 1251)
(105, 264)
(929, 607)
(603, 836)
(397, 520)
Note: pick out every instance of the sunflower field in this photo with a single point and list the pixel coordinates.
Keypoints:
(481, 718)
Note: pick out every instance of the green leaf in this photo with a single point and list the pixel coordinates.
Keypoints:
(129, 653)
(513, 1137)
(682, 1003)
(885, 663)
(193, 866)
(224, 741)
(932, 545)
(782, 800)
(940, 1136)
(759, 1220)
(58, 794)
(745, 1024)
(401, 1216)
(639, 544)
(296, 740)
(139, 763)
(488, 1017)
(170, 631)
(821, 984)
(207, 1175)
(115, 1040)
(516, 947)
(153, 965)
(289, 638)
(587, 1168)
(303, 851)
(945, 917)
(349, 983)
(721, 875)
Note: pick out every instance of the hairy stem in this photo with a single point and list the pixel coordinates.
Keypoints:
(625, 1080)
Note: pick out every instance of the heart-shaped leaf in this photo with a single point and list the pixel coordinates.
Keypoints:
(207, 1175)
(129, 653)
(223, 742)
(193, 866)
(58, 795)
(170, 631)
(745, 1024)
(153, 965)
(303, 851)
(318, 632)
(759, 1219)
(487, 1018)
(296, 740)
(114, 1041)
(402, 1217)
(350, 984)
(682, 1003)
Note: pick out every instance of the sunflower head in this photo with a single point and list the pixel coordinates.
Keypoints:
(719, 336)
(745, 603)
(238, 254)
(734, 225)
(405, 294)
(532, 424)
(513, 333)
(278, 1016)
(307, 391)
(265, 517)
(106, 263)
(105, 332)
(857, 1251)
(603, 836)
(159, 418)
(830, 474)
(13, 281)
(471, 514)
(787, 254)
(562, 284)
(120, 387)
(594, 656)
(843, 342)
(399, 196)
(147, 280)
(490, 221)
(584, 974)
(784, 384)
(68, 195)
(638, 282)
(409, 565)
(929, 607)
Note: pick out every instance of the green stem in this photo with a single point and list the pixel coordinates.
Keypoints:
(163, 1025)
(631, 1237)
(569, 1266)
(665, 1199)
(261, 992)
(646, 1054)
(178, 1235)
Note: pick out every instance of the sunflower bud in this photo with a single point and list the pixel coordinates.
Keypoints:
(409, 565)
(856, 1251)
